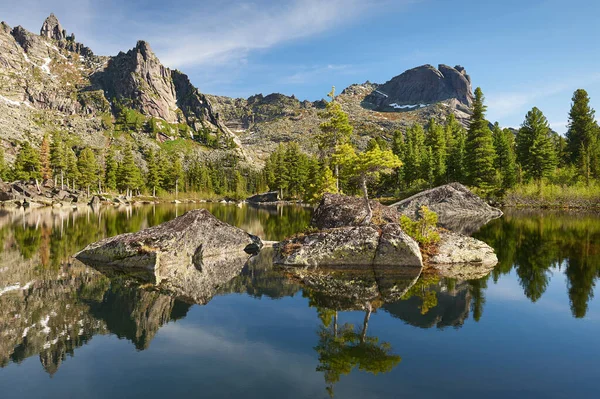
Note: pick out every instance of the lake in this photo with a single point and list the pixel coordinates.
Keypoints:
(529, 329)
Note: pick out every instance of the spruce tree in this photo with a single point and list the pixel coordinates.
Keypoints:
(505, 162)
(46, 168)
(436, 140)
(88, 169)
(457, 138)
(72, 171)
(177, 175)
(128, 174)
(110, 171)
(414, 152)
(480, 147)
(27, 164)
(535, 149)
(153, 179)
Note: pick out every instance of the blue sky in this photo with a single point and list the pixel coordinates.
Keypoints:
(522, 53)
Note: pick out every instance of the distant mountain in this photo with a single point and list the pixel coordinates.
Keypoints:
(51, 82)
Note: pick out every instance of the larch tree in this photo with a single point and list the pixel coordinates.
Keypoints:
(46, 167)
(72, 170)
(153, 177)
(479, 146)
(110, 171)
(335, 130)
(535, 149)
(58, 158)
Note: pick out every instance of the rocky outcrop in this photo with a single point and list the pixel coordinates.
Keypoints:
(337, 210)
(457, 208)
(52, 29)
(462, 257)
(422, 86)
(195, 240)
(271, 196)
(364, 246)
(30, 194)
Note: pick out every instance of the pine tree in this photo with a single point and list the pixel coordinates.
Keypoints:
(177, 176)
(321, 181)
(505, 162)
(58, 157)
(27, 163)
(583, 136)
(72, 171)
(457, 138)
(335, 130)
(297, 167)
(480, 147)
(88, 169)
(46, 168)
(436, 140)
(535, 150)
(153, 178)
(110, 171)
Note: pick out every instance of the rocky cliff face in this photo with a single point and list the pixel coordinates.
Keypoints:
(51, 82)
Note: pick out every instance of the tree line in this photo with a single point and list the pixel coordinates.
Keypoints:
(484, 156)
(107, 170)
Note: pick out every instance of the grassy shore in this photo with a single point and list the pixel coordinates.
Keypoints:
(578, 196)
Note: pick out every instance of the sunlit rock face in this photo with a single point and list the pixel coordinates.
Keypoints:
(457, 208)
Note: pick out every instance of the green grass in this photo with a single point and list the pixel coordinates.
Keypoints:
(554, 196)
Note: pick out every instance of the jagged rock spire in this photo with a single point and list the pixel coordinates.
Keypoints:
(52, 29)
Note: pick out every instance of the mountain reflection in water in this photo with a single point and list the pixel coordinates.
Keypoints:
(52, 304)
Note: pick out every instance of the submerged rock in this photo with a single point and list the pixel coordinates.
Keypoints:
(458, 209)
(337, 210)
(271, 196)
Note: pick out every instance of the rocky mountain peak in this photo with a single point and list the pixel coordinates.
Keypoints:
(52, 29)
(422, 86)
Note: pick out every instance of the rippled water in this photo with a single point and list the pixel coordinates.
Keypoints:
(528, 330)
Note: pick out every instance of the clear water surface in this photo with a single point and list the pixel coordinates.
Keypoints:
(530, 329)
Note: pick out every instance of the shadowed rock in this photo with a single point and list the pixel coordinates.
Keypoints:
(339, 210)
(271, 196)
(457, 208)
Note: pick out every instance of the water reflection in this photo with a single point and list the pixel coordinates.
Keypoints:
(52, 305)
(538, 244)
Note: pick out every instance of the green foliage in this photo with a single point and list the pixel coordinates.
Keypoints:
(320, 181)
(423, 230)
(336, 129)
(505, 162)
(287, 171)
(4, 170)
(583, 137)
(456, 147)
(479, 146)
(535, 149)
(128, 174)
(436, 140)
(27, 164)
(110, 171)
(88, 168)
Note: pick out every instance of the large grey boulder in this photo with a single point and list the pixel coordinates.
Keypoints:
(337, 210)
(457, 208)
(195, 240)
(364, 246)
(462, 257)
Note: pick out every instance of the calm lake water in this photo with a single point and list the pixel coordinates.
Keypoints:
(530, 329)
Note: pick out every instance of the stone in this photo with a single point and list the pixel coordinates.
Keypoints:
(462, 257)
(95, 201)
(337, 210)
(52, 29)
(397, 248)
(458, 209)
(271, 196)
(195, 240)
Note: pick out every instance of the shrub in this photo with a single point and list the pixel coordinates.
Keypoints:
(423, 230)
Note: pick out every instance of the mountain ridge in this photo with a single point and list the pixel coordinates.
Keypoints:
(51, 82)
